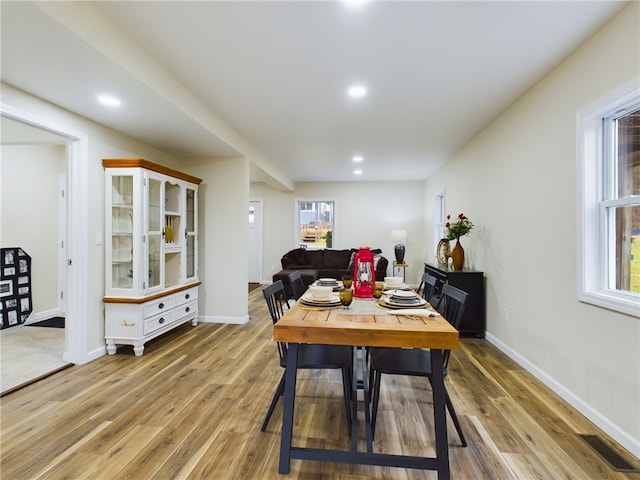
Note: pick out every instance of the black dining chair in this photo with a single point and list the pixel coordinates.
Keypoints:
(427, 287)
(297, 285)
(310, 356)
(417, 361)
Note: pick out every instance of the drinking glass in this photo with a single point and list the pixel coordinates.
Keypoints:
(347, 281)
(346, 297)
(378, 289)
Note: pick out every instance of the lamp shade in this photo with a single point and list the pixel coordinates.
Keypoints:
(399, 236)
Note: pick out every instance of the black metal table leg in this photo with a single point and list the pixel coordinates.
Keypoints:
(440, 415)
(287, 413)
(367, 402)
(354, 401)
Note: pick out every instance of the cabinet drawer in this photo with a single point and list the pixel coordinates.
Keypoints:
(161, 320)
(186, 309)
(187, 296)
(159, 305)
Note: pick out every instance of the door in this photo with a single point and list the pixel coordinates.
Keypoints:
(255, 241)
(62, 245)
(191, 234)
(155, 231)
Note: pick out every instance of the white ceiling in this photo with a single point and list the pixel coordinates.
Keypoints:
(269, 79)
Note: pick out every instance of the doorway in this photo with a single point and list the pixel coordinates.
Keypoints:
(33, 218)
(20, 128)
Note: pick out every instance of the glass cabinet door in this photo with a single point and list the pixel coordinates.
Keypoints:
(151, 223)
(154, 232)
(122, 251)
(190, 233)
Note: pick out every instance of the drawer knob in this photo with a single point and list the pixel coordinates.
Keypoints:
(161, 305)
(161, 320)
(187, 296)
(188, 309)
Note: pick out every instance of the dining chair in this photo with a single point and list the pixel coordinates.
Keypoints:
(310, 356)
(417, 361)
(427, 287)
(297, 285)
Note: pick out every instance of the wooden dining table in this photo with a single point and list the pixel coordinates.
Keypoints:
(303, 325)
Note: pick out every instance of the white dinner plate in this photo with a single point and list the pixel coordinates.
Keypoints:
(419, 302)
(402, 293)
(334, 286)
(308, 298)
(402, 286)
(312, 303)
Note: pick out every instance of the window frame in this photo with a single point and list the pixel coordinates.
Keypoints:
(296, 234)
(594, 166)
(439, 217)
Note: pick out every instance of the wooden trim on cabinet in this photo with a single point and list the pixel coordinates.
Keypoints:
(164, 293)
(155, 167)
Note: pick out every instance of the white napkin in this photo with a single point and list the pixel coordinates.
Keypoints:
(415, 312)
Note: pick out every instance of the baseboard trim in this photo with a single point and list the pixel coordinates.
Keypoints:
(602, 422)
(220, 319)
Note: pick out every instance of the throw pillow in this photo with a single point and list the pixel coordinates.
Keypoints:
(315, 257)
(300, 256)
(336, 258)
(351, 261)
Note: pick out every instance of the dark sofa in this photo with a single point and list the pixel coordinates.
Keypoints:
(324, 263)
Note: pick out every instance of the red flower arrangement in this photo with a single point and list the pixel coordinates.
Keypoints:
(462, 226)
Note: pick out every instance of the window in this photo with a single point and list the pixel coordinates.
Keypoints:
(438, 215)
(315, 227)
(609, 162)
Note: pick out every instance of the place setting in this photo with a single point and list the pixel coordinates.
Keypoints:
(320, 296)
(408, 304)
(395, 283)
(397, 299)
(328, 282)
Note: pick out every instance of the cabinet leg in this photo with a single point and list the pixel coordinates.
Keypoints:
(194, 322)
(138, 349)
(111, 348)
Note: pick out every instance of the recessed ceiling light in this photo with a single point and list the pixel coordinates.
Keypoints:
(109, 101)
(357, 158)
(357, 172)
(357, 91)
(354, 3)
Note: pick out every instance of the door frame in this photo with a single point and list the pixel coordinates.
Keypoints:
(76, 335)
(62, 242)
(260, 235)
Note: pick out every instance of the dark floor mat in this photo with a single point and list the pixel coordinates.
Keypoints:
(54, 322)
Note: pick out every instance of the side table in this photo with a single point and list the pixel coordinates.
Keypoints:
(474, 321)
(400, 266)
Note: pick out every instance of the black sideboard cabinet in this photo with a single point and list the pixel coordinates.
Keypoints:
(474, 320)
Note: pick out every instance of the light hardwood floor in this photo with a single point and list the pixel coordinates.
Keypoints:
(192, 407)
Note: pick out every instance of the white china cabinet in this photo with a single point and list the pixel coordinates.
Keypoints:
(151, 251)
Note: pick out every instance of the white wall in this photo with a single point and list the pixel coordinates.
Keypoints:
(223, 227)
(29, 217)
(517, 182)
(366, 212)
